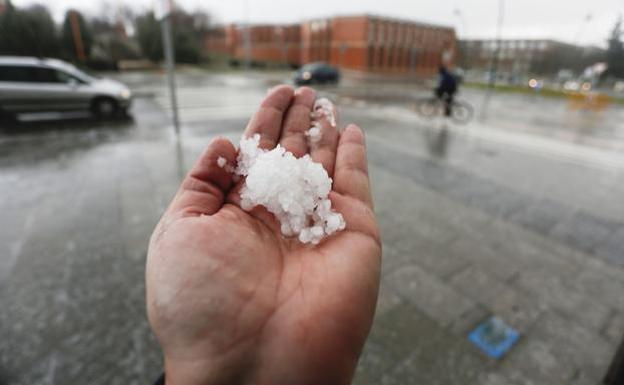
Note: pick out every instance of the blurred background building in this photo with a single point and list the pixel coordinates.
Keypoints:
(362, 43)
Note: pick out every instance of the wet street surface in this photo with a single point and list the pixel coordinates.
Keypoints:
(517, 214)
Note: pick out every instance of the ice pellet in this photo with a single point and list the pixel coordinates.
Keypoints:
(314, 133)
(222, 162)
(294, 189)
(323, 107)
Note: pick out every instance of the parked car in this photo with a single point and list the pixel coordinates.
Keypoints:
(30, 84)
(317, 73)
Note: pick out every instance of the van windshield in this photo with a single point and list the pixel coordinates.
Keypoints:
(81, 75)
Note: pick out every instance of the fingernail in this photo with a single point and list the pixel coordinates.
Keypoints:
(356, 131)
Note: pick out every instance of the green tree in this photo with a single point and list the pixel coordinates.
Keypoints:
(615, 51)
(149, 36)
(188, 30)
(28, 32)
(68, 40)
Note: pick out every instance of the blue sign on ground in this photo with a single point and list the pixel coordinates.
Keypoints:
(494, 337)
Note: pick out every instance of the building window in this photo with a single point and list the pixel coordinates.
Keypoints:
(381, 53)
(372, 31)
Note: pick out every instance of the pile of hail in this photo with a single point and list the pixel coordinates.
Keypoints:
(294, 189)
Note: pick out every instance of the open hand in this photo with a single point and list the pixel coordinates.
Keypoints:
(231, 300)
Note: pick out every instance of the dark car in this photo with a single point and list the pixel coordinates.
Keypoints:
(317, 73)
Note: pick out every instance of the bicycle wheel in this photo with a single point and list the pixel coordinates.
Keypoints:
(462, 112)
(428, 108)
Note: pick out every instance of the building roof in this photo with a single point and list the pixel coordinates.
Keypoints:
(34, 61)
(370, 16)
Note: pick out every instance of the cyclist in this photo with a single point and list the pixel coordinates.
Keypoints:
(447, 87)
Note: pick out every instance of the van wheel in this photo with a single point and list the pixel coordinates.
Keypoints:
(104, 108)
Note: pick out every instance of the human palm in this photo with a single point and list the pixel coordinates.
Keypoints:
(231, 300)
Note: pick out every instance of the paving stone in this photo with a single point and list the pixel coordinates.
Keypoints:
(578, 346)
(603, 285)
(476, 284)
(518, 309)
(479, 254)
(386, 300)
(440, 262)
(527, 250)
(434, 297)
(409, 232)
(541, 216)
(553, 292)
(468, 321)
(614, 329)
(612, 248)
(391, 259)
(408, 246)
(425, 253)
(373, 363)
(404, 329)
(491, 198)
(450, 361)
(580, 377)
(583, 231)
(535, 361)
(498, 379)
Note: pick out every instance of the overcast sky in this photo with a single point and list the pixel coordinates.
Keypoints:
(558, 19)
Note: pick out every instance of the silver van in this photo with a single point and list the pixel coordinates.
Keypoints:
(30, 84)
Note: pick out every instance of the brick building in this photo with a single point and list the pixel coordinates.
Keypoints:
(268, 43)
(363, 43)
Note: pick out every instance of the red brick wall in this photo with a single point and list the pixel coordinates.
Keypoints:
(405, 47)
(361, 43)
(348, 44)
(315, 41)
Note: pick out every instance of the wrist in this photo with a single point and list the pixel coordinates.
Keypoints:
(184, 371)
(189, 372)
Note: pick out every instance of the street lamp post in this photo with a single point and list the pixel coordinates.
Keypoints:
(579, 34)
(457, 12)
(495, 58)
(497, 49)
(247, 37)
(170, 65)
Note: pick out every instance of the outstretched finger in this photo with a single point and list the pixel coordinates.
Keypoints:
(323, 146)
(351, 173)
(297, 122)
(204, 188)
(267, 121)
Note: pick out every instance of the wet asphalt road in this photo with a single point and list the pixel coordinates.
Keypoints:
(80, 198)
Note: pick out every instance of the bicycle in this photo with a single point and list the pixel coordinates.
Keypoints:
(461, 112)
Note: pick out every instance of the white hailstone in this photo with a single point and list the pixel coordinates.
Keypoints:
(314, 133)
(222, 162)
(323, 107)
(294, 189)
